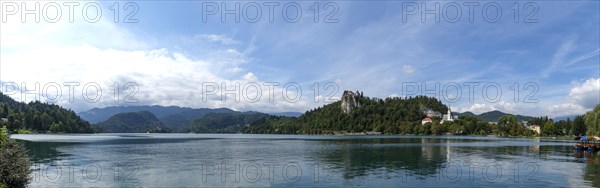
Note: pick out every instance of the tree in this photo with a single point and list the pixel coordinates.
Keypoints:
(548, 129)
(5, 111)
(508, 125)
(578, 126)
(592, 120)
(56, 127)
(560, 127)
(437, 128)
(455, 128)
(11, 123)
(507, 120)
(424, 129)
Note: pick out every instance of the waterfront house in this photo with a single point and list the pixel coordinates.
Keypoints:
(426, 120)
(535, 128)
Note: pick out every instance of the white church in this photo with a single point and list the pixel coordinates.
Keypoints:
(448, 116)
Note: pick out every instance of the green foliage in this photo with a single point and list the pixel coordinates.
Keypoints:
(496, 115)
(3, 136)
(39, 117)
(548, 129)
(402, 116)
(132, 122)
(24, 131)
(455, 128)
(592, 120)
(274, 125)
(509, 126)
(392, 115)
(234, 122)
(437, 128)
(14, 165)
(389, 116)
(578, 126)
(470, 125)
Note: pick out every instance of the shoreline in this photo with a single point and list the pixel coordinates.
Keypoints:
(345, 134)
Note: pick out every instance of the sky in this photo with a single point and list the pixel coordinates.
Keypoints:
(537, 58)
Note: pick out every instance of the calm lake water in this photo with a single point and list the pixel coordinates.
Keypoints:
(234, 160)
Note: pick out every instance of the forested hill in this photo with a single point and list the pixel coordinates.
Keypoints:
(357, 113)
(493, 116)
(40, 117)
(232, 122)
(354, 113)
(133, 122)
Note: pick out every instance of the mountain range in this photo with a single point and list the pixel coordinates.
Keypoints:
(141, 119)
(133, 122)
(175, 117)
(493, 116)
(354, 113)
(169, 114)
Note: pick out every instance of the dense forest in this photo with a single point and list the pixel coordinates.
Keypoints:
(215, 122)
(231, 122)
(391, 116)
(40, 117)
(133, 122)
(355, 113)
(403, 116)
(493, 116)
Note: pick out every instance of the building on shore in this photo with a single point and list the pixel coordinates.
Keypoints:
(448, 117)
(426, 120)
(535, 128)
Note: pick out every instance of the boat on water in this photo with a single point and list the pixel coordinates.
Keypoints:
(590, 143)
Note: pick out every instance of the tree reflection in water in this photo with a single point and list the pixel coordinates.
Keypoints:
(388, 157)
(592, 166)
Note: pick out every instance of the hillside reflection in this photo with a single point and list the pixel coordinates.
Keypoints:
(360, 157)
(43, 152)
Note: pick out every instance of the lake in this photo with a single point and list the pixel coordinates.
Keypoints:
(245, 160)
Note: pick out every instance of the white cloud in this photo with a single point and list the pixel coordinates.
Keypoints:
(586, 94)
(565, 109)
(582, 98)
(102, 53)
(163, 77)
(250, 77)
(217, 38)
(235, 69)
(407, 69)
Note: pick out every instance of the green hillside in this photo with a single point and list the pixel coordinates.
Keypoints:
(133, 122)
(40, 117)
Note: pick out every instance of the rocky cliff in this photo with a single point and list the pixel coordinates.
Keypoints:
(350, 101)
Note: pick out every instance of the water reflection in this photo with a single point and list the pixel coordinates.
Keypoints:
(180, 160)
(592, 167)
(358, 158)
(44, 152)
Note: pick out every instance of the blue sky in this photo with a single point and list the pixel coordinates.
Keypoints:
(374, 47)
